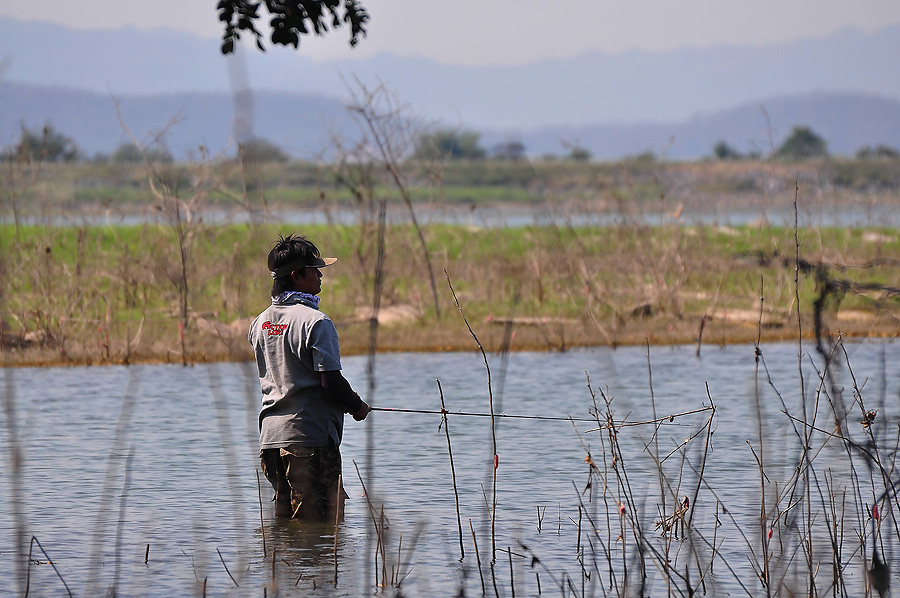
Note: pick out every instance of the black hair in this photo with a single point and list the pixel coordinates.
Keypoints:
(289, 249)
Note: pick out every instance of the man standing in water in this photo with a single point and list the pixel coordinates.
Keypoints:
(304, 394)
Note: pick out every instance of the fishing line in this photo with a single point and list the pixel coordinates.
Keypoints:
(470, 414)
(667, 418)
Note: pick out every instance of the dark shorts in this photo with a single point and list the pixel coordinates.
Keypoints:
(306, 481)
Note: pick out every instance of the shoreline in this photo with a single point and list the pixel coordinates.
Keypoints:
(715, 335)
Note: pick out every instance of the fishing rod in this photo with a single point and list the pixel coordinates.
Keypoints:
(539, 417)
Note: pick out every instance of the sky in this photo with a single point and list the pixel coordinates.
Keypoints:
(508, 32)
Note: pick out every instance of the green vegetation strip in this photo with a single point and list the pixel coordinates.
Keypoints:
(119, 292)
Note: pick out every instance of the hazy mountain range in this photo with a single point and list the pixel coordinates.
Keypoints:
(677, 104)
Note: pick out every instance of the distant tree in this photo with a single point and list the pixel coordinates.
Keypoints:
(723, 151)
(160, 155)
(127, 153)
(510, 150)
(579, 154)
(576, 153)
(801, 144)
(884, 152)
(450, 144)
(289, 20)
(130, 153)
(46, 145)
(261, 150)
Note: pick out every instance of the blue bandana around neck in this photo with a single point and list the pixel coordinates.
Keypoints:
(289, 296)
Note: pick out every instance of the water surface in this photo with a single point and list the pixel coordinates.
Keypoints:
(119, 458)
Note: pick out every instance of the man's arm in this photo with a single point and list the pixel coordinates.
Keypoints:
(338, 390)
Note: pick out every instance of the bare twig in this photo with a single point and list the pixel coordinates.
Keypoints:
(493, 423)
(477, 557)
(462, 550)
(262, 525)
(385, 127)
(221, 558)
(34, 541)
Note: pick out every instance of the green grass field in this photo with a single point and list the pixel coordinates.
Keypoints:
(97, 294)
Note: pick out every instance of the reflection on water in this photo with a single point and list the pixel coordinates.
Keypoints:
(305, 553)
(178, 503)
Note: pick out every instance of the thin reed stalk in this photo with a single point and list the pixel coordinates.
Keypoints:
(496, 459)
(446, 424)
(233, 580)
(337, 519)
(228, 452)
(377, 291)
(477, 557)
(262, 524)
(274, 584)
(512, 581)
(121, 520)
(655, 456)
(34, 541)
(404, 565)
(379, 531)
(383, 550)
(14, 452)
(763, 511)
(104, 504)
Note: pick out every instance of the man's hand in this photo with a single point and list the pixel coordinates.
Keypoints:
(364, 410)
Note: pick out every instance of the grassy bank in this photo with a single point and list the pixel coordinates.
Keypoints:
(187, 293)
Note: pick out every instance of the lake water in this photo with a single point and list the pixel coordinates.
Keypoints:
(810, 213)
(118, 458)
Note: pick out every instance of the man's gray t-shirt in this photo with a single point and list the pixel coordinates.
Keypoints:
(294, 343)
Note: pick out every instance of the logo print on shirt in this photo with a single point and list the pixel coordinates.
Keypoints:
(274, 329)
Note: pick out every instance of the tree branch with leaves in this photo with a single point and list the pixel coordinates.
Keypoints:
(290, 20)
